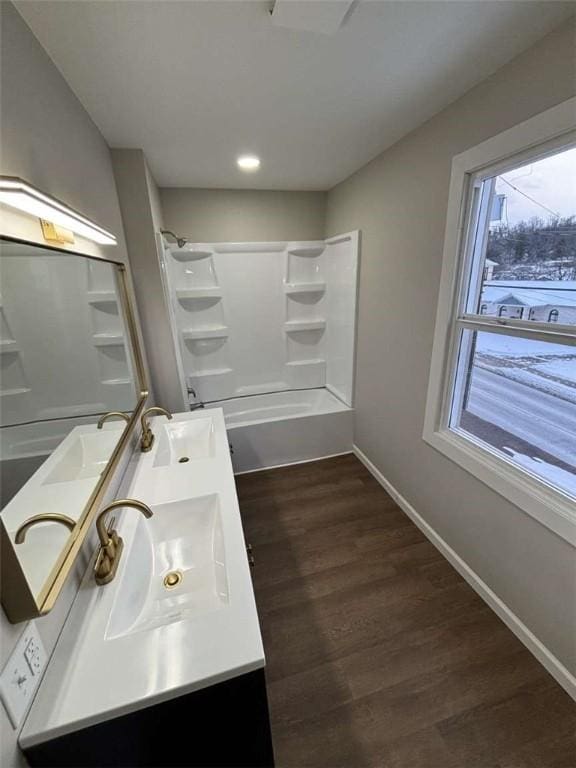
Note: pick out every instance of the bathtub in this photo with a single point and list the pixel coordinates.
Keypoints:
(285, 427)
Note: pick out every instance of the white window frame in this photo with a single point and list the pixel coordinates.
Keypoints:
(544, 134)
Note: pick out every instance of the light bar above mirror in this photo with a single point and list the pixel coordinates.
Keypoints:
(19, 194)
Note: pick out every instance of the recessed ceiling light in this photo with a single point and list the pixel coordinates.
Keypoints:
(248, 162)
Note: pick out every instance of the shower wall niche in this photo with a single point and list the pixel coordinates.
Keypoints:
(254, 318)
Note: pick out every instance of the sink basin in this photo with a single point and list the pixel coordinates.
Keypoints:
(86, 456)
(175, 568)
(182, 441)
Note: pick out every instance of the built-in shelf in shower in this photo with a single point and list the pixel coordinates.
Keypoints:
(116, 382)
(108, 339)
(209, 332)
(190, 254)
(8, 345)
(296, 288)
(14, 391)
(211, 292)
(102, 297)
(307, 249)
(211, 372)
(296, 326)
(315, 361)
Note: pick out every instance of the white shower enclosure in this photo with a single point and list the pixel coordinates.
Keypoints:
(253, 319)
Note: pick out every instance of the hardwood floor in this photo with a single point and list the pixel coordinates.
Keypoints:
(378, 652)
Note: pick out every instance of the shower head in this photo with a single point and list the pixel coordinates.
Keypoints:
(180, 240)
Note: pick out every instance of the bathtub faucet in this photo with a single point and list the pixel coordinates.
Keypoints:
(198, 403)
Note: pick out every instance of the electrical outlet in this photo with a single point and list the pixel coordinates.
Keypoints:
(22, 674)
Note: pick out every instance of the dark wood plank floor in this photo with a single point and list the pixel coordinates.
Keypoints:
(378, 652)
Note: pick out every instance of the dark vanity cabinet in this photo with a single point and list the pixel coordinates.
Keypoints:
(224, 725)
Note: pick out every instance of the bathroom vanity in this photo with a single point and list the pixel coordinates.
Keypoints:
(226, 724)
(160, 659)
(165, 664)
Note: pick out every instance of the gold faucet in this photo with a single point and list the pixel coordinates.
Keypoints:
(147, 440)
(48, 517)
(106, 416)
(111, 544)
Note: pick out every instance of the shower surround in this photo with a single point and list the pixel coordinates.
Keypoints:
(254, 319)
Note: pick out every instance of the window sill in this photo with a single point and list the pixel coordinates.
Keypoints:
(551, 508)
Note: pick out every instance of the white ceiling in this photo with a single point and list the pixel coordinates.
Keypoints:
(194, 83)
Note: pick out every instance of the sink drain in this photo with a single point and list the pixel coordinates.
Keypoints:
(183, 460)
(172, 579)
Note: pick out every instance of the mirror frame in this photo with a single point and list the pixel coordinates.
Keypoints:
(18, 600)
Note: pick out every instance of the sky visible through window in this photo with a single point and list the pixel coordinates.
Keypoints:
(551, 182)
(521, 393)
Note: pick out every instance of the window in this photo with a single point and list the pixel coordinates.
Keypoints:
(502, 396)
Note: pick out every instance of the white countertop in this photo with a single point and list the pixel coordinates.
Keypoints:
(92, 678)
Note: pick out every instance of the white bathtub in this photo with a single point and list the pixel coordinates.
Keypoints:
(285, 427)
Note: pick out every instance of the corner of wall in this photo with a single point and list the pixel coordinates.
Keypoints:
(142, 217)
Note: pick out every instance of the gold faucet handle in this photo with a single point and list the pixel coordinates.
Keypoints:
(113, 533)
(111, 543)
(106, 556)
(108, 550)
(147, 438)
(103, 565)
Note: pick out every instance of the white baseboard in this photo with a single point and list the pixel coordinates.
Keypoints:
(293, 463)
(558, 671)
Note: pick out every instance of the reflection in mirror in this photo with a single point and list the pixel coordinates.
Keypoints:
(65, 362)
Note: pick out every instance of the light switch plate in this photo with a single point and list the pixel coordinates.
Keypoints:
(22, 674)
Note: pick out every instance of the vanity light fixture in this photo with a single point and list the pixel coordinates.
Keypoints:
(248, 162)
(17, 193)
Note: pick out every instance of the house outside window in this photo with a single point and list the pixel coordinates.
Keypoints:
(502, 393)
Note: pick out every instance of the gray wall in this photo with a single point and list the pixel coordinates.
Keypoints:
(399, 201)
(48, 139)
(142, 217)
(237, 215)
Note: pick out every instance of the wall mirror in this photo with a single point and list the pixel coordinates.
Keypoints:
(68, 357)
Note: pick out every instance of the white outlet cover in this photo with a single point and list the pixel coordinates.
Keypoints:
(22, 674)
